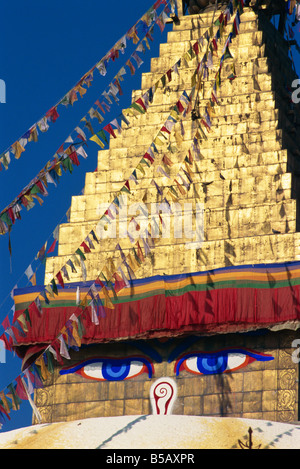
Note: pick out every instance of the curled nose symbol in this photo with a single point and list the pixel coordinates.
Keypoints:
(163, 393)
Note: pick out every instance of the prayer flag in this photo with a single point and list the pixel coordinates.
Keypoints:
(97, 140)
(60, 279)
(110, 130)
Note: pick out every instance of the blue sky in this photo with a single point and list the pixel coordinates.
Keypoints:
(46, 47)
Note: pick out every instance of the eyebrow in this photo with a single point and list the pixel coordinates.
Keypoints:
(182, 347)
(147, 349)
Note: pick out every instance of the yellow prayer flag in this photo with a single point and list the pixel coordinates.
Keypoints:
(33, 135)
(39, 199)
(194, 79)
(81, 90)
(210, 110)
(44, 371)
(75, 334)
(76, 261)
(132, 262)
(33, 280)
(174, 114)
(146, 42)
(97, 140)
(4, 402)
(107, 301)
(22, 320)
(112, 267)
(84, 303)
(57, 169)
(173, 197)
(17, 149)
(178, 138)
(48, 288)
(187, 57)
(158, 141)
(180, 188)
(106, 272)
(140, 167)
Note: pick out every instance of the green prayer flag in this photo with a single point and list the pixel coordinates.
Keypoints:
(27, 316)
(102, 135)
(227, 54)
(125, 189)
(67, 164)
(50, 365)
(54, 287)
(138, 108)
(81, 329)
(4, 217)
(80, 253)
(14, 397)
(35, 190)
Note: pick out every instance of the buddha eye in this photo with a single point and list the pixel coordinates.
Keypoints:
(111, 369)
(208, 363)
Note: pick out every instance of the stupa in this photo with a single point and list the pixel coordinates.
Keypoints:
(184, 299)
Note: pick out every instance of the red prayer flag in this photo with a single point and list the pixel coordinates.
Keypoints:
(164, 129)
(160, 24)
(74, 158)
(179, 106)
(6, 342)
(85, 247)
(114, 54)
(6, 323)
(3, 411)
(148, 157)
(99, 105)
(141, 103)
(205, 124)
(196, 48)
(99, 282)
(119, 283)
(156, 4)
(110, 130)
(61, 149)
(52, 114)
(60, 279)
(11, 214)
(40, 186)
(52, 247)
(20, 389)
(235, 27)
(148, 35)
(140, 252)
(117, 83)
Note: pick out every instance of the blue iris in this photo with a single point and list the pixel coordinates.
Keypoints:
(115, 371)
(211, 364)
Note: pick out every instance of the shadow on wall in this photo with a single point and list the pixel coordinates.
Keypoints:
(193, 7)
(122, 430)
(223, 385)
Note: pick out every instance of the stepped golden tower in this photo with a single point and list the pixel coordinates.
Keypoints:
(202, 319)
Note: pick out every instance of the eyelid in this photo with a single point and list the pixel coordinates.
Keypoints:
(124, 360)
(247, 352)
